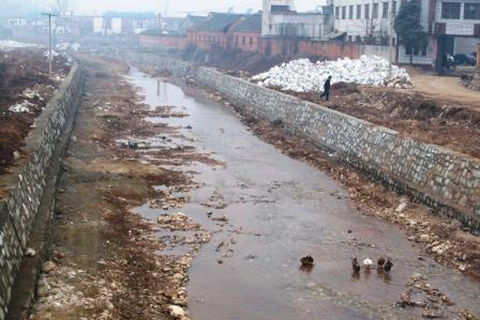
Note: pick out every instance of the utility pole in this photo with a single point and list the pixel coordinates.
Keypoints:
(391, 38)
(50, 55)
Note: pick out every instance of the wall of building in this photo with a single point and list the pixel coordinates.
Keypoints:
(363, 26)
(478, 56)
(445, 180)
(379, 51)
(460, 26)
(246, 41)
(165, 42)
(300, 25)
(19, 210)
(267, 13)
(466, 45)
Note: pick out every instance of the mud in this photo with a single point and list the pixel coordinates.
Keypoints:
(104, 253)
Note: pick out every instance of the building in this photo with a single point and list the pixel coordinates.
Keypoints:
(216, 31)
(247, 34)
(365, 21)
(272, 7)
(281, 20)
(190, 22)
(453, 26)
(124, 23)
(171, 35)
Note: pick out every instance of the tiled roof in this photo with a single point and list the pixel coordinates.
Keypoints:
(252, 23)
(219, 22)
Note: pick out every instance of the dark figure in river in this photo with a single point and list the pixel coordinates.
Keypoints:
(326, 89)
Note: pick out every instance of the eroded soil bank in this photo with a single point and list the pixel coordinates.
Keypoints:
(156, 176)
(25, 89)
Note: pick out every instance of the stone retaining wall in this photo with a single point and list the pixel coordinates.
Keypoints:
(447, 181)
(18, 211)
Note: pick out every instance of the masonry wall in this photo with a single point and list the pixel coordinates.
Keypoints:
(18, 211)
(246, 40)
(166, 42)
(447, 181)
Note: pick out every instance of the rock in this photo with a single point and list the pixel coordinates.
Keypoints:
(456, 224)
(432, 315)
(30, 252)
(176, 311)
(223, 218)
(462, 267)
(402, 207)
(48, 267)
(43, 288)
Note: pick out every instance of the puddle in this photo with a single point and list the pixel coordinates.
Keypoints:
(280, 209)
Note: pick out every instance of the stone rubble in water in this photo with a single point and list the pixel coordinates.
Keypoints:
(304, 76)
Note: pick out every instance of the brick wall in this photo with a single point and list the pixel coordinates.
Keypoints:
(169, 42)
(246, 41)
(478, 56)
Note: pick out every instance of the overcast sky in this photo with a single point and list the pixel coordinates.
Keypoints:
(177, 7)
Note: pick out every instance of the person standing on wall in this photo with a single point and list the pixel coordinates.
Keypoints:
(326, 89)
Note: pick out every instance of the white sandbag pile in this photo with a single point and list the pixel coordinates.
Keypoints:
(304, 76)
(9, 45)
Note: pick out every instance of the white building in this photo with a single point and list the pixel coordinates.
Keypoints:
(454, 26)
(365, 20)
(279, 19)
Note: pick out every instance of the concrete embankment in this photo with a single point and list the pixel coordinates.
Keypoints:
(447, 181)
(25, 213)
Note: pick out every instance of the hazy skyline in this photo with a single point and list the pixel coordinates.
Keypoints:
(177, 7)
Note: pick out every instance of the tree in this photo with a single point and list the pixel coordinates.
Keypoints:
(408, 28)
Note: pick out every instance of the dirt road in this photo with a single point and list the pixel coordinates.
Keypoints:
(445, 89)
(169, 199)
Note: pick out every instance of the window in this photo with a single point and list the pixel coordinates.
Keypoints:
(385, 10)
(394, 8)
(337, 13)
(375, 11)
(236, 39)
(471, 11)
(251, 41)
(367, 11)
(349, 38)
(359, 11)
(344, 13)
(243, 40)
(450, 10)
(350, 12)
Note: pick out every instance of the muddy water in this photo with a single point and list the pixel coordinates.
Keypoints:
(280, 209)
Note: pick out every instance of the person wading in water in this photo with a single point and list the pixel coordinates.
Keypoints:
(326, 89)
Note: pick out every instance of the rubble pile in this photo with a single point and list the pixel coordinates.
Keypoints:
(22, 107)
(66, 46)
(304, 76)
(9, 45)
